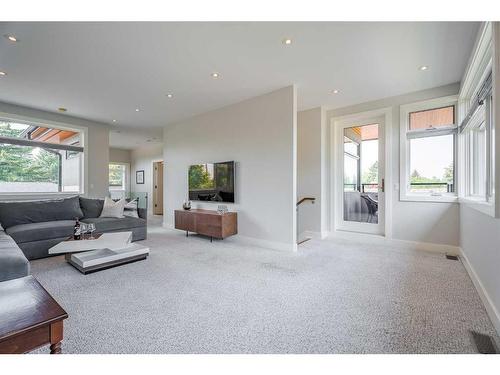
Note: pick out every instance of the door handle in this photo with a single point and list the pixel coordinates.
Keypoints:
(382, 186)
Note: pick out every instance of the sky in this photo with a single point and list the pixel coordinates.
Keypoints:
(369, 155)
(431, 155)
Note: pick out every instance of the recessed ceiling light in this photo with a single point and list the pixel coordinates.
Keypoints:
(11, 38)
(2, 74)
(287, 41)
(424, 67)
(62, 109)
(335, 91)
(170, 96)
(215, 75)
(137, 109)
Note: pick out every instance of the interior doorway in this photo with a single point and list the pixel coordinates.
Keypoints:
(158, 188)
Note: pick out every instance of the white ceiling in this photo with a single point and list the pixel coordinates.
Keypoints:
(103, 71)
(131, 138)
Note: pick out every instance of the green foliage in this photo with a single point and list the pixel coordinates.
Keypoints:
(24, 163)
(371, 176)
(199, 178)
(116, 175)
(448, 174)
(447, 178)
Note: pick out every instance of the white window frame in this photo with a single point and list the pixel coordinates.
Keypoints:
(57, 125)
(405, 110)
(480, 64)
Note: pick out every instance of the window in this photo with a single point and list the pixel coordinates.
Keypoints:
(476, 132)
(34, 159)
(477, 127)
(428, 144)
(118, 180)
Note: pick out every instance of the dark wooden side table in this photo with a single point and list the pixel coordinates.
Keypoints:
(29, 317)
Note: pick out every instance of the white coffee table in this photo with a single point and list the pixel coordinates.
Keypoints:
(109, 250)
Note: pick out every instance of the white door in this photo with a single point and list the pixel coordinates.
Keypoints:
(360, 176)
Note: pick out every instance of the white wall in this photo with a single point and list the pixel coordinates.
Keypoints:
(480, 243)
(428, 222)
(259, 134)
(312, 172)
(142, 159)
(479, 232)
(118, 155)
(97, 144)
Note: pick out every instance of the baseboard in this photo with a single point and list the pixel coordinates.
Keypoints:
(403, 244)
(167, 225)
(426, 246)
(238, 238)
(274, 245)
(483, 294)
(313, 234)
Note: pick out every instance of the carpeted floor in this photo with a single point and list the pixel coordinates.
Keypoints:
(333, 296)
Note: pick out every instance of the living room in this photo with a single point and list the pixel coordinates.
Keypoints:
(235, 188)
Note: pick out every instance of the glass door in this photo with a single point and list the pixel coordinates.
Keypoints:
(361, 177)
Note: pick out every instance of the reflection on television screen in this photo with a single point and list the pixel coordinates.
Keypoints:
(212, 182)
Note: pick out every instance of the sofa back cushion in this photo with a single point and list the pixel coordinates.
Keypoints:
(15, 213)
(91, 208)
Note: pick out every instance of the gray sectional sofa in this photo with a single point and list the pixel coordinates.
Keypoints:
(32, 228)
(13, 263)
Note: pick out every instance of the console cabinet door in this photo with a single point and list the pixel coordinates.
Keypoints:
(209, 225)
(185, 221)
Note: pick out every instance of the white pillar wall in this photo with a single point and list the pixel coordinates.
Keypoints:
(312, 172)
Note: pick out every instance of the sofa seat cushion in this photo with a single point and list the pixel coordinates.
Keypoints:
(41, 231)
(13, 263)
(110, 224)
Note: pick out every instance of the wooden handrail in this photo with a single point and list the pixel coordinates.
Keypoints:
(312, 199)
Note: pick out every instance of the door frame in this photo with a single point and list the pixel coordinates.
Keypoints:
(337, 124)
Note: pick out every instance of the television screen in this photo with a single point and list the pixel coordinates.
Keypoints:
(212, 182)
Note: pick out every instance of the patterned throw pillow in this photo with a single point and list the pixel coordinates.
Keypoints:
(112, 208)
(131, 208)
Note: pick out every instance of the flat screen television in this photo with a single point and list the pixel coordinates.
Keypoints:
(212, 182)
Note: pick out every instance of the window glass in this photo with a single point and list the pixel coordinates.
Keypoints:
(369, 165)
(432, 164)
(38, 169)
(350, 173)
(351, 147)
(478, 161)
(361, 174)
(116, 176)
(118, 180)
(432, 118)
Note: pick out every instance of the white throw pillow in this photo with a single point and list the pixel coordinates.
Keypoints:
(131, 208)
(112, 208)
